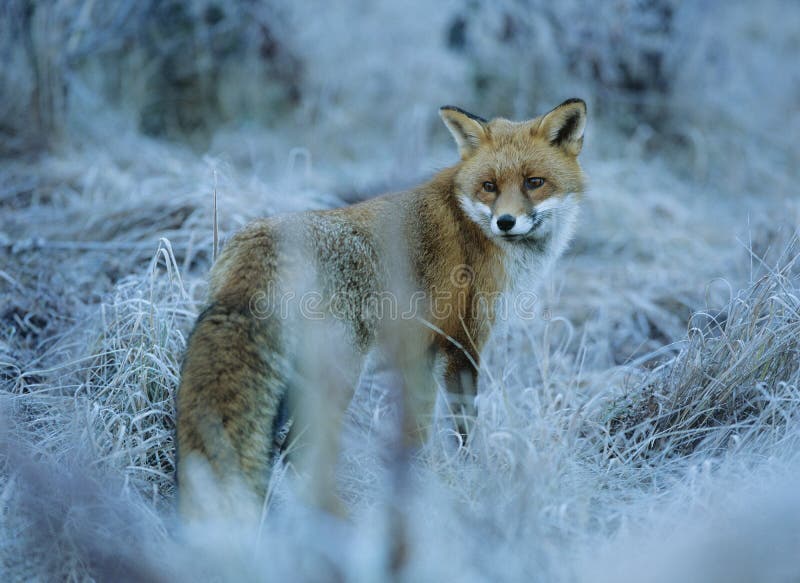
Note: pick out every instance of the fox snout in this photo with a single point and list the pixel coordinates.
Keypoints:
(507, 224)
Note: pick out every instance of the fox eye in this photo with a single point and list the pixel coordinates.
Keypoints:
(532, 183)
(489, 186)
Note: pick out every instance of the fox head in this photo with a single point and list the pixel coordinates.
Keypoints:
(519, 181)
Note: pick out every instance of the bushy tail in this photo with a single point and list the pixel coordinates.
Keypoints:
(228, 401)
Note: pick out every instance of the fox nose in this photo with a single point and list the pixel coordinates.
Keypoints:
(505, 222)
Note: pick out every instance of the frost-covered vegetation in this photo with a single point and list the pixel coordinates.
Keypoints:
(644, 428)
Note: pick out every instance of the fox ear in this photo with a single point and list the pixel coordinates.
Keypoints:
(564, 125)
(468, 130)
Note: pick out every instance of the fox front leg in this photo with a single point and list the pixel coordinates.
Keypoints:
(461, 383)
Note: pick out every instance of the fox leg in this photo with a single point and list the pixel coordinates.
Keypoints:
(318, 401)
(461, 383)
(419, 398)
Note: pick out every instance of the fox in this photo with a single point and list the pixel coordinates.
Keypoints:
(490, 225)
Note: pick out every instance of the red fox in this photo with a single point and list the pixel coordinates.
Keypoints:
(490, 224)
